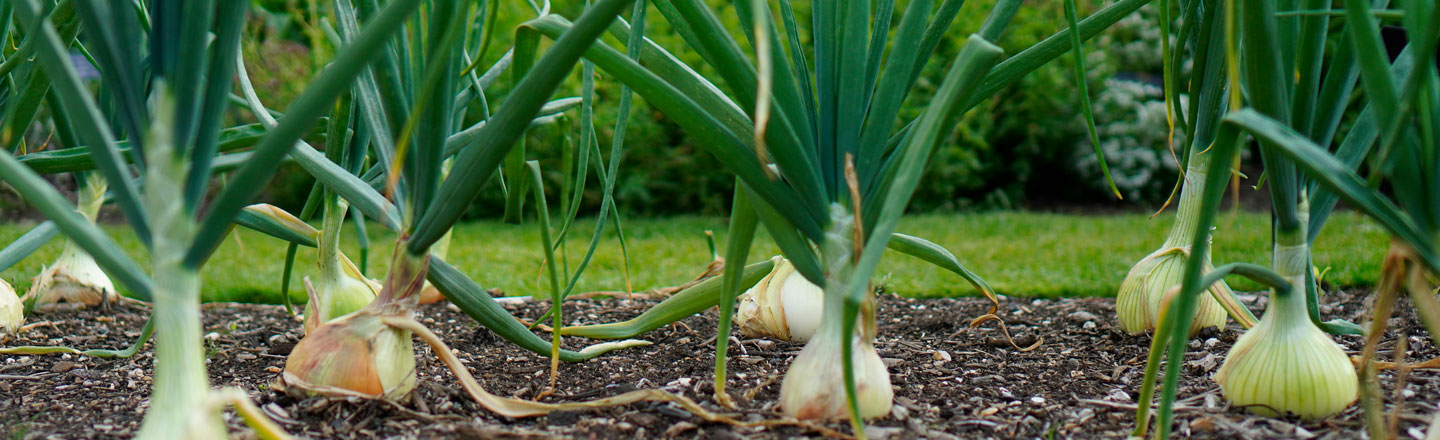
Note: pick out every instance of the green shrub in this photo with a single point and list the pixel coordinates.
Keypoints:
(1025, 142)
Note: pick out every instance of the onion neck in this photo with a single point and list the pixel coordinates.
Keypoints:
(1182, 234)
(92, 196)
(400, 293)
(330, 269)
(180, 395)
(1291, 260)
(180, 400)
(838, 254)
(88, 202)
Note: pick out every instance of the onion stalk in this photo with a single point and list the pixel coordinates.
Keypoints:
(180, 396)
(783, 305)
(75, 277)
(1142, 294)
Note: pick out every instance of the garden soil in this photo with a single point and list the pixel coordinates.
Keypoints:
(950, 381)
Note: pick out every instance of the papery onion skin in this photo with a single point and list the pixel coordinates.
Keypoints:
(1138, 302)
(1140, 296)
(74, 278)
(783, 305)
(355, 355)
(12, 312)
(359, 354)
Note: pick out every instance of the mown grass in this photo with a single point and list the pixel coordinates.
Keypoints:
(1020, 254)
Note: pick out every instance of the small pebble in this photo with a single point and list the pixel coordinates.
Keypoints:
(644, 419)
(880, 432)
(899, 412)
(276, 410)
(1203, 424)
(63, 366)
(679, 428)
(1082, 316)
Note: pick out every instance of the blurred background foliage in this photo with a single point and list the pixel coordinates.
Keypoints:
(1025, 147)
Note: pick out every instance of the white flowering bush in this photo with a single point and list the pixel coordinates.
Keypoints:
(1130, 113)
(1130, 119)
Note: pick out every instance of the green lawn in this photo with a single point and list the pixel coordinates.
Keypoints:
(1021, 254)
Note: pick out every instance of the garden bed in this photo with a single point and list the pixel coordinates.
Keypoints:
(950, 382)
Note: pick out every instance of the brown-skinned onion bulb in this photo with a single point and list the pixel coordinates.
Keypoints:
(355, 355)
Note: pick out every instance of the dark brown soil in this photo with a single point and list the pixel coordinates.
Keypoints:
(950, 383)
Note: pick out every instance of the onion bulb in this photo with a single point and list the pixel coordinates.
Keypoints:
(783, 305)
(75, 277)
(338, 288)
(1286, 363)
(1142, 293)
(359, 354)
(814, 386)
(355, 355)
(12, 313)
